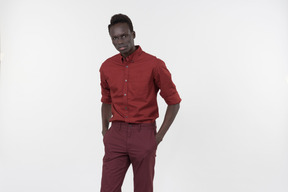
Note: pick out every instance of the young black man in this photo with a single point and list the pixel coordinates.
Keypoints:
(130, 82)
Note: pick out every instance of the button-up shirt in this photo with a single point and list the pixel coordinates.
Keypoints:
(131, 85)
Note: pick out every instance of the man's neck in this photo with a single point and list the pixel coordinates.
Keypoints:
(130, 53)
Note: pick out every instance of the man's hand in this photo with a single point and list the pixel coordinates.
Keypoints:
(104, 132)
(106, 115)
(170, 115)
(158, 139)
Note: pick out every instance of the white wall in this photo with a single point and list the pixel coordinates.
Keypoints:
(229, 62)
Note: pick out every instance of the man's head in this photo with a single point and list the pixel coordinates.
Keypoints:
(120, 18)
(122, 34)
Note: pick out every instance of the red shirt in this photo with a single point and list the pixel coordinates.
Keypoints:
(131, 85)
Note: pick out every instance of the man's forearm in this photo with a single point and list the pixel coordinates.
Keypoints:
(170, 115)
(106, 115)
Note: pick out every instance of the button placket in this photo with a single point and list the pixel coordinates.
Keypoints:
(125, 90)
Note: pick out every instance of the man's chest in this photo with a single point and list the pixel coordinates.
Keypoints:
(133, 77)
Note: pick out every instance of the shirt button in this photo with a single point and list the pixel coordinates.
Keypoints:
(126, 66)
(124, 94)
(125, 80)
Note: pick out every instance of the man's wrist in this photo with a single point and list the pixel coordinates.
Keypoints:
(104, 130)
(159, 137)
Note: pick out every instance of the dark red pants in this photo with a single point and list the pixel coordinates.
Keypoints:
(127, 144)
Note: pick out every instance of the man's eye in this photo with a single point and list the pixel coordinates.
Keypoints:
(124, 36)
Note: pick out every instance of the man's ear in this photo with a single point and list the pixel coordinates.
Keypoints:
(134, 34)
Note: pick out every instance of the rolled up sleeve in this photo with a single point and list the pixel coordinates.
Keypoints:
(163, 80)
(105, 90)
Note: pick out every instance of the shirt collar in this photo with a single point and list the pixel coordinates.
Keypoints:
(133, 56)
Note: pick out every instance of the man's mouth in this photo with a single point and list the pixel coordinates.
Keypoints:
(122, 48)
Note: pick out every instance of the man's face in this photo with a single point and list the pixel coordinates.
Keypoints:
(122, 38)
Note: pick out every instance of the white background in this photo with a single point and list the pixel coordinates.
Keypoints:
(228, 60)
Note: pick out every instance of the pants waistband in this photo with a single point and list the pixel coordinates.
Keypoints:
(125, 124)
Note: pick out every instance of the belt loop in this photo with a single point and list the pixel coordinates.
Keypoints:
(139, 127)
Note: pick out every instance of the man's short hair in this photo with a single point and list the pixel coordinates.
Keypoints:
(120, 18)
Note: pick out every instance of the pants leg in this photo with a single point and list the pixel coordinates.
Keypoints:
(124, 144)
(116, 160)
(142, 152)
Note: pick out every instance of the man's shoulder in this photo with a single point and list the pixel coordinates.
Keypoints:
(110, 61)
(114, 58)
(151, 57)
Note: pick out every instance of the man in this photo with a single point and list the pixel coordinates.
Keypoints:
(130, 82)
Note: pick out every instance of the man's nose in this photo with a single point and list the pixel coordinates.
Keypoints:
(119, 41)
